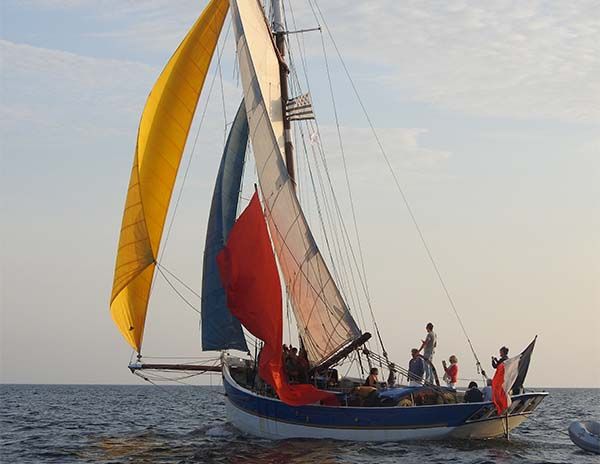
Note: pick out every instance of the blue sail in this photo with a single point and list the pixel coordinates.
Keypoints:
(220, 329)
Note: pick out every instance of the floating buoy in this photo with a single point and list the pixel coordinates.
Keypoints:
(586, 435)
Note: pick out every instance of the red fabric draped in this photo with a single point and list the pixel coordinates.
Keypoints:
(251, 281)
(499, 396)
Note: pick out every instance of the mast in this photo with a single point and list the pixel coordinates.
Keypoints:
(322, 316)
(279, 33)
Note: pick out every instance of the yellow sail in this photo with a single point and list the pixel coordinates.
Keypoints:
(162, 134)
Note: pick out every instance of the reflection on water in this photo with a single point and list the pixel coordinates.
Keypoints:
(144, 424)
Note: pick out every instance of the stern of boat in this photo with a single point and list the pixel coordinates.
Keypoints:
(486, 423)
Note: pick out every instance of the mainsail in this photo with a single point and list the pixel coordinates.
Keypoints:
(220, 329)
(162, 134)
(323, 319)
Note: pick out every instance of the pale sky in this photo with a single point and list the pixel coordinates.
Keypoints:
(489, 112)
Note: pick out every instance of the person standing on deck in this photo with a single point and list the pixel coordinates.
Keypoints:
(428, 346)
(503, 357)
(391, 380)
(416, 369)
(451, 372)
(292, 367)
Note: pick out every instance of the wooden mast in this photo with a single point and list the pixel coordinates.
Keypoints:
(279, 33)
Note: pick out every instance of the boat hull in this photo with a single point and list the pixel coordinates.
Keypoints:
(270, 418)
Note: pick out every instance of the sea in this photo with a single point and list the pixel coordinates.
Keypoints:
(187, 424)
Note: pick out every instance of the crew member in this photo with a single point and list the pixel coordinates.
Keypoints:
(428, 346)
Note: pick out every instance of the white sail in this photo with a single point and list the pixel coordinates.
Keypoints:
(323, 319)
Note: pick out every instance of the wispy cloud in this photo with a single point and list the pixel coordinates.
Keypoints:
(520, 60)
(54, 89)
(404, 147)
(153, 25)
(56, 93)
(529, 60)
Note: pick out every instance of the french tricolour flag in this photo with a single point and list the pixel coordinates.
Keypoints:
(510, 375)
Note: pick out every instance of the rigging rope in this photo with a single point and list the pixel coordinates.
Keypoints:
(336, 255)
(329, 215)
(325, 235)
(196, 358)
(347, 246)
(219, 52)
(327, 208)
(177, 291)
(400, 189)
(343, 153)
(162, 266)
(345, 235)
(362, 262)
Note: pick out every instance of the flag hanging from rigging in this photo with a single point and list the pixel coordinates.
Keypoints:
(300, 108)
(249, 275)
(510, 375)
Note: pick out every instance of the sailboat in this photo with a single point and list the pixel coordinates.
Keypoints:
(248, 258)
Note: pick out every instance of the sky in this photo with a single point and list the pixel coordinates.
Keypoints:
(489, 113)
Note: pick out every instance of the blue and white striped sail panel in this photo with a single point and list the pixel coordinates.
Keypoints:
(220, 329)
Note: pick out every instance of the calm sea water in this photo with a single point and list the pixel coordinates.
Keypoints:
(181, 424)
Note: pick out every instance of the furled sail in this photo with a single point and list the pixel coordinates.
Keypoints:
(220, 329)
(323, 319)
(162, 134)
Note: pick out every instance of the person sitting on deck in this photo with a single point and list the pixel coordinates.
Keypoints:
(333, 379)
(416, 369)
(487, 391)
(285, 352)
(259, 383)
(372, 379)
(292, 366)
(451, 372)
(473, 394)
(503, 357)
(303, 366)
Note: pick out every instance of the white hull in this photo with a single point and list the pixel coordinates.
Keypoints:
(274, 430)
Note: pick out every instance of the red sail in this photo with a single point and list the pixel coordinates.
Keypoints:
(251, 281)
